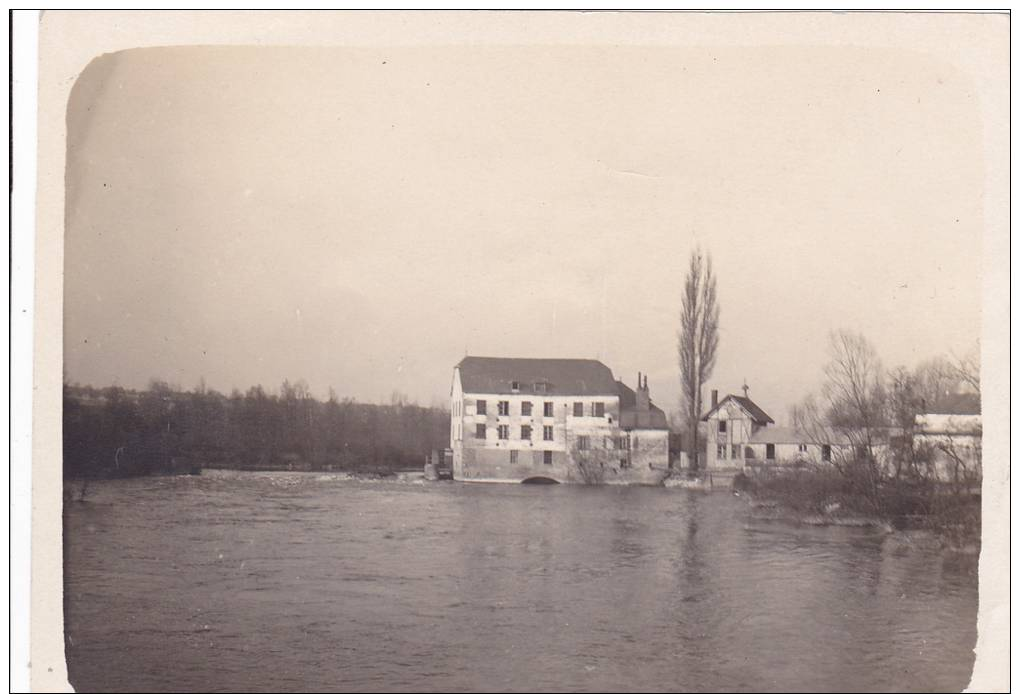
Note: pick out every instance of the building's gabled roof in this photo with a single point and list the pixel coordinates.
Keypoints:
(496, 375)
(633, 418)
(757, 414)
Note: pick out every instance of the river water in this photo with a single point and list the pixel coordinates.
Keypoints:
(308, 582)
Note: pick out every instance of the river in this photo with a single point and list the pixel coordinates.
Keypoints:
(311, 582)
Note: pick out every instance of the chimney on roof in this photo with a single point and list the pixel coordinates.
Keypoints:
(641, 398)
(715, 398)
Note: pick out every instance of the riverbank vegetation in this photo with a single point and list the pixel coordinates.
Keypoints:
(114, 432)
(824, 496)
(882, 466)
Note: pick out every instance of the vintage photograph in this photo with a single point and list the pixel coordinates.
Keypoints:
(496, 366)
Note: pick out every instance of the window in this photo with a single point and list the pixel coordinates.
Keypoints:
(582, 443)
(547, 457)
(525, 432)
(770, 451)
(515, 386)
(578, 409)
(619, 443)
(547, 433)
(481, 407)
(526, 409)
(802, 447)
(504, 408)
(539, 387)
(720, 451)
(598, 409)
(513, 457)
(547, 409)
(827, 453)
(479, 431)
(624, 463)
(634, 443)
(504, 431)
(734, 451)
(722, 426)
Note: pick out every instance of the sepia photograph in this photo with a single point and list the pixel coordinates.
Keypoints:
(521, 351)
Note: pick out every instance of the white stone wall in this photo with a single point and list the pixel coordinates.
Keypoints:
(739, 427)
(490, 456)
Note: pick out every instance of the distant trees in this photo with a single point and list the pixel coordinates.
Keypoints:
(697, 343)
(968, 367)
(871, 416)
(115, 432)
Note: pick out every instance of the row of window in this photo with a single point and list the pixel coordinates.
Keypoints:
(547, 457)
(503, 432)
(538, 386)
(595, 409)
(613, 443)
(618, 443)
(722, 449)
(770, 451)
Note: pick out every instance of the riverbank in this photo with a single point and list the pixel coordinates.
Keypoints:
(823, 498)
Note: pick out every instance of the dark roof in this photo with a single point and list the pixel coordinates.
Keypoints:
(633, 418)
(956, 403)
(627, 396)
(757, 414)
(560, 376)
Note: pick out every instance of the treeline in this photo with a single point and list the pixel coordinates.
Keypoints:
(887, 466)
(113, 432)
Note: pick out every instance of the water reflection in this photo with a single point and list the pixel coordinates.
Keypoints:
(291, 582)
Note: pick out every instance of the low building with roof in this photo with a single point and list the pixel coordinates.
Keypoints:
(741, 434)
(516, 419)
(792, 446)
(953, 442)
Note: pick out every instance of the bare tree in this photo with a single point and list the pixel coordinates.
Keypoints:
(855, 397)
(697, 342)
(968, 368)
(933, 381)
(908, 395)
(590, 463)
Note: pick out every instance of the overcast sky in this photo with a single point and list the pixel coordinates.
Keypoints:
(361, 219)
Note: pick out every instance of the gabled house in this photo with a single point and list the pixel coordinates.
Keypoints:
(519, 419)
(733, 423)
(741, 434)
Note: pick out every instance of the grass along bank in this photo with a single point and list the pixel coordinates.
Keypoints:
(824, 496)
